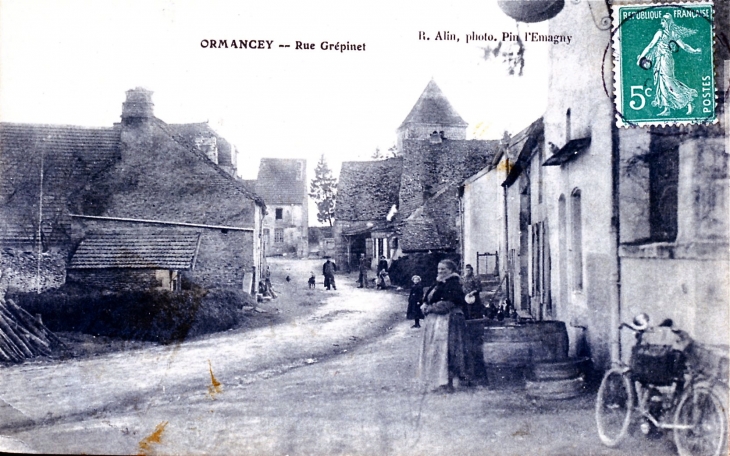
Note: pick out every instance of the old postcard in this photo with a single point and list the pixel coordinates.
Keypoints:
(269, 228)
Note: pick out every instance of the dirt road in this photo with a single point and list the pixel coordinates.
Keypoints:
(336, 381)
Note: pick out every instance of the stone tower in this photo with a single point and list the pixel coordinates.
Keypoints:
(432, 113)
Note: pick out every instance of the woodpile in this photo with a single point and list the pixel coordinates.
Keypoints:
(22, 336)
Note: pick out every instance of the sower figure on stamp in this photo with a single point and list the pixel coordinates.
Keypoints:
(363, 277)
(669, 92)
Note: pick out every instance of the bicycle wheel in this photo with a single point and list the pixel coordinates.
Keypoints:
(702, 423)
(614, 406)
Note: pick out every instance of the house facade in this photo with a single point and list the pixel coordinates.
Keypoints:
(282, 183)
(602, 223)
(140, 179)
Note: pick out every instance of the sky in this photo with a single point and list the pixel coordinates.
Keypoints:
(71, 61)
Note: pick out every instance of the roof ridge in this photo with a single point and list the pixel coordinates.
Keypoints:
(248, 193)
(66, 126)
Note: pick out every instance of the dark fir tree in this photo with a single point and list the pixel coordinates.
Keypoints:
(323, 190)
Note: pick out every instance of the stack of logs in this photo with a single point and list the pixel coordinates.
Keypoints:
(21, 335)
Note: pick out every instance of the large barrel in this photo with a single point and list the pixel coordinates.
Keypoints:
(525, 344)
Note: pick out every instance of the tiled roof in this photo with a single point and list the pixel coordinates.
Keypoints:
(433, 108)
(71, 157)
(420, 233)
(161, 177)
(282, 181)
(429, 201)
(429, 166)
(433, 226)
(367, 190)
(163, 250)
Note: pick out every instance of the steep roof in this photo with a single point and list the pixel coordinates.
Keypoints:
(282, 181)
(71, 157)
(429, 200)
(433, 107)
(367, 190)
(163, 250)
(429, 166)
(159, 177)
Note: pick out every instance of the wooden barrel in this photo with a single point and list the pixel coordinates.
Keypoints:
(555, 389)
(559, 370)
(525, 344)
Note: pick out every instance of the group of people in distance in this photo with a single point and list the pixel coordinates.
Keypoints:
(445, 307)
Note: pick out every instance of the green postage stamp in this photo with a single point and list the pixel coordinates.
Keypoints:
(663, 63)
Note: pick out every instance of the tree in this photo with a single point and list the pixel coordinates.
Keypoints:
(393, 150)
(377, 155)
(323, 189)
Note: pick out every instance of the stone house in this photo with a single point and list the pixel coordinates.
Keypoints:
(601, 223)
(367, 192)
(282, 183)
(407, 208)
(140, 179)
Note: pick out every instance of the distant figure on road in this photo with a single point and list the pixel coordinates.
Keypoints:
(312, 281)
(415, 299)
(442, 356)
(363, 267)
(383, 280)
(382, 265)
(328, 270)
(472, 287)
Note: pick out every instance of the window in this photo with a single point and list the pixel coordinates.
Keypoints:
(567, 126)
(576, 240)
(279, 213)
(279, 235)
(663, 162)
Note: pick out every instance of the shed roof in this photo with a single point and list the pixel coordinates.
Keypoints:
(433, 107)
(367, 190)
(164, 250)
(282, 181)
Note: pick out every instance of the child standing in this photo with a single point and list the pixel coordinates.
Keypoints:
(415, 299)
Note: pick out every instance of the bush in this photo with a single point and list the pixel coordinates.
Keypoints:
(157, 315)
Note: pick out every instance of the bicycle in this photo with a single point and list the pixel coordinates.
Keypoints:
(661, 382)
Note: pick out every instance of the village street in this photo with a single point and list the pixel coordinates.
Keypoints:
(337, 379)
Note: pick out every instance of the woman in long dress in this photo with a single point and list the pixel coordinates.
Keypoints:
(442, 354)
(669, 92)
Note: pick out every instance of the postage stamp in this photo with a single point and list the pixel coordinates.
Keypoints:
(663, 64)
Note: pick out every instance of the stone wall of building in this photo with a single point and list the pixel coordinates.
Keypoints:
(114, 279)
(225, 257)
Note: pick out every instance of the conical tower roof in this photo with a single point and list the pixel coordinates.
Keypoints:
(433, 108)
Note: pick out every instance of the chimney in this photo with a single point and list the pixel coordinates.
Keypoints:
(435, 137)
(138, 107)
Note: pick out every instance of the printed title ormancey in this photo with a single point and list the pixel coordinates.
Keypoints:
(338, 46)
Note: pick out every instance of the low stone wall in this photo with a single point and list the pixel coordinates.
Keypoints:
(19, 267)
